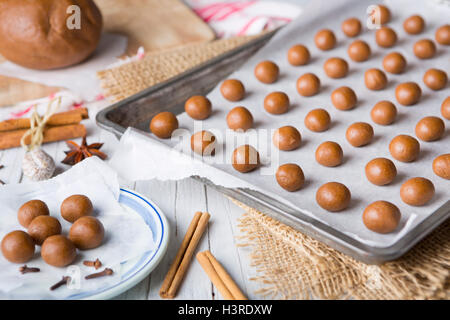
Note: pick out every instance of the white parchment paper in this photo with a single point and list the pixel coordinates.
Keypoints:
(139, 157)
(126, 234)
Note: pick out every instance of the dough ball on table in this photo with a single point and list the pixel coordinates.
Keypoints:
(198, 107)
(18, 247)
(408, 93)
(383, 113)
(394, 62)
(318, 120)
(325, 39)
(380, 171)
(290, 177)
(333, 196)
(404, 148)
(336, 68)
(30, 210)
(164, 124)
(417, 191)
(75, 207)
(87, 233)
(359, 134)
(287, 138)
(232, 90)
(329, 154)
(308, 85)
(442, 35)
(43, 227)
(359, 51)
(298, 55)
(445, 108)
(375, 79)
(34, 34)
(239, 118)
(435, 79)
(267, 72)
(424, 49)
(414, 24)
(381, 217)
(385, 37)
(245, 159)
(380, 14)
(276, 102)
(430, 129)
(441, 166)
(58, 251)
(351, 27)
(203, 143)
(344, 98)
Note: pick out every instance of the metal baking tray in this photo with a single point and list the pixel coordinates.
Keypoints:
(137, 111)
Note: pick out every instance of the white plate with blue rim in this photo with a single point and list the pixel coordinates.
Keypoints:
(135, 270)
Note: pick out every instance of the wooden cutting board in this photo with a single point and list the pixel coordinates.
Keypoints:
(154, 24)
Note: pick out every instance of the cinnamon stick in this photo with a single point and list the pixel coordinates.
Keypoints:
(58, 119)
(219, 277)
(179, 266)
(11, 139)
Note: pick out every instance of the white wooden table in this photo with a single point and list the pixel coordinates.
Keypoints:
(179, 200)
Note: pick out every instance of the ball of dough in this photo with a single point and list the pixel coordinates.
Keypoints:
(87, 233)
(267, 72)
(333, 196)
(385, 37)
(329, 154)
(203, 143)
(380, 171)
(417, 191)
(441, 166)
(424, 49)
(17, 247)
(276, 102)
(232, 90)
(245, 158)
(239, 118)
(445, 108)
(308, 85)
(404, 148)
(336, 68)
(351, 27)
(75, 207)
(318, 120)
(359, 51)
(442, 35)
(394, 62)
(430, 128)
(290, 177)
(380, 14)
(408, 93)
(164, 124)
(198, 107)
(287, 138)
(34, 34)
(43, 227)
(325, 39)
(383, 113)
(344, 98)
(381, 217)
(298, 55)
(359, 134)
(414, 24)
(435, 79)
(58, 251)
(30, 210)
(375, 79)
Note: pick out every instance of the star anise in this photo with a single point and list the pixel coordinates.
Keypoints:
(78, 153)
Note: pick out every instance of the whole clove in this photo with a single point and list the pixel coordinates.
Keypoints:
(25, 269)
(106, 272)
(96, 264)
(63, 281)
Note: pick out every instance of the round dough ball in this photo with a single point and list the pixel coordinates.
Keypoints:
(276, 102)
(441, 166)
(375, 79)
(164, 124)
(325, 39)
(417, 191)
(424, 49)
(329, 154)
(239, 118)
(380, 14)
(34, 34)
(245, 158)
(336, 68)
(75, 207)
(232, 90)
(435, 79)
(408, 93)
(203, 143)
(359, 51)
(298, 55)
(290, 177)
(333, 196)
(17, 247)
(87, 233)
(380, 171)
(381, 217)
(30, 210)
(267, 72)
(445, 108)
(58, 251)
(351, 27)
(344, 98)
(43, 227)
(385, 37)
(198, 107)
(308, 85)
(414, 24)
(404, 148)
(359, 134)
(383, 113)
(442, 35)
(430, 129)
(394, 62)
(287, 138)
(318, 120)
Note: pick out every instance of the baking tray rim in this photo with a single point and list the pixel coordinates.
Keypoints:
(302, 222)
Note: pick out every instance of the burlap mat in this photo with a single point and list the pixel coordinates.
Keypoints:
(291, 265)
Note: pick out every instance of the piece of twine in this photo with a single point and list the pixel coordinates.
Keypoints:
(37, 125)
